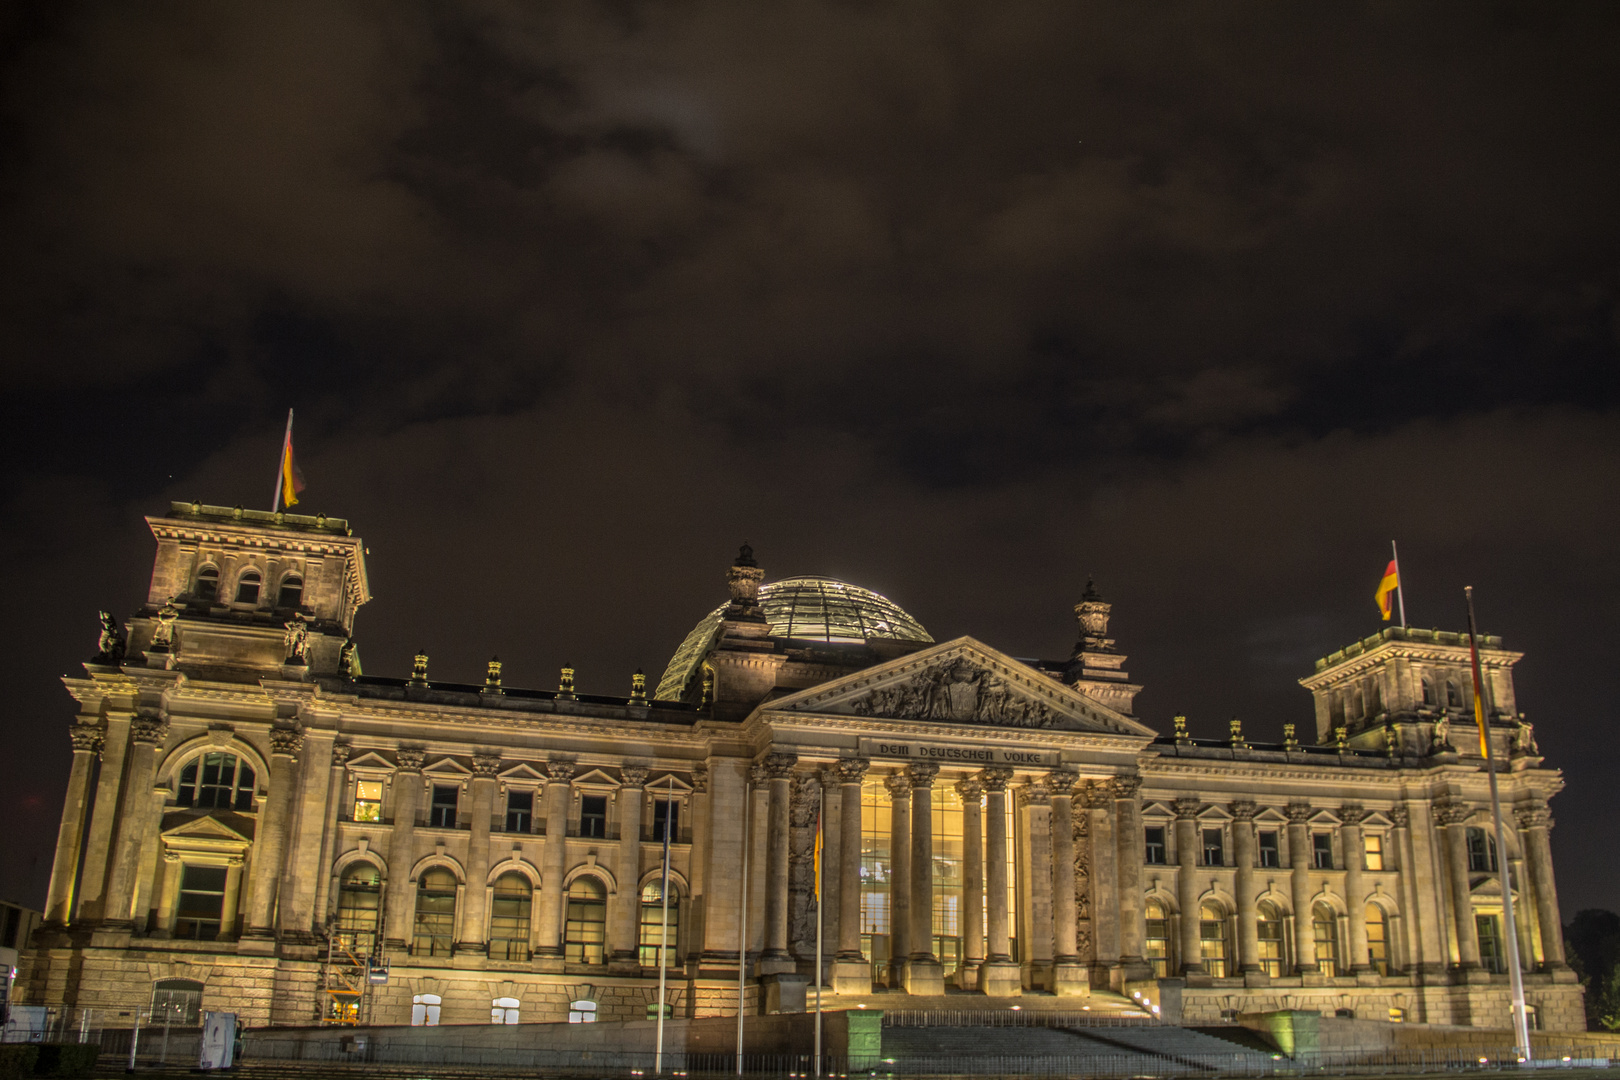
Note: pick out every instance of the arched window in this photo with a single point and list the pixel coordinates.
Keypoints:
(292, 592)
(216, 781)
(1212, 939)
(435, 928)
(652, 924)
(503, 1011)
(207, 584)
(1375, 699)
(1273, 958)
(1325, 933)
(509, 918)
(585, 930)
(359, 908)
(1156, 947)
(1453, 695)
(177, 1002)
(1428, 692)
(425, 1010)
(247, 588)
(1378, 939)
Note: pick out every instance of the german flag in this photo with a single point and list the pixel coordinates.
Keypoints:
(292, 480)
(1386, 589)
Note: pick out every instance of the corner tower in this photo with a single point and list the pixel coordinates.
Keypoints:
(1097, 669)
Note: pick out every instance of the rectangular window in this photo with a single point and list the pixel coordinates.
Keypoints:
(666, 810)
(1322, 850)
(1378, 942)
(368, 800)
(442, 813)
(202, 900)
(1492, 955)
(1212, 944)
(1374, 844)
(1481, 852)
(593, 816)
(519, 811)
(1214, 850)
(1270, 851)
(1156, 946)
(1269, 932)
(1154, 855)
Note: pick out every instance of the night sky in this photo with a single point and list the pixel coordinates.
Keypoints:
(960, 302)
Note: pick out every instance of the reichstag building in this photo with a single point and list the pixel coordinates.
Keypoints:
(254, 825)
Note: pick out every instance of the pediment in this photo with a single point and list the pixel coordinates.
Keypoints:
(448, 766)
(665, 782)
(595, 777)
(209, 827)
(371, 760)
(960, 682)
(523, 774)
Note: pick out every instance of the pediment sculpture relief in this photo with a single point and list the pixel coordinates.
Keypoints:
(958, 691)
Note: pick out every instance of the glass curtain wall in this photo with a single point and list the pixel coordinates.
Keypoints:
(875, 875)
(948, 877)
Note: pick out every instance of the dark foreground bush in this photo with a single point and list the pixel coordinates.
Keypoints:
(17, 1060)
(66, 1059)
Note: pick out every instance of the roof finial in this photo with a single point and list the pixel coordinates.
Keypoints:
(745, 556)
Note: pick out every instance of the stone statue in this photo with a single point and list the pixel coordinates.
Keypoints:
(165, 638)
(1442, 736)
(110, 647)
(1524, 739)
(297, 640)
(348, 662)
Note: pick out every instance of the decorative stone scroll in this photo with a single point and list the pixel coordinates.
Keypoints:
(958, 691)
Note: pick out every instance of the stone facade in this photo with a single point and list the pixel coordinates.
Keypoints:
(253, 821)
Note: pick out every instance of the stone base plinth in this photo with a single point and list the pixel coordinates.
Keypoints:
(1000, 978)
(256, 944)
(924, 975)
(851, 977)
(1071, 979)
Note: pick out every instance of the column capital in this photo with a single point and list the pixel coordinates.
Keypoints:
(1186, 809)
(1097, 794)
(758, 774)
(995, 778)
(1126, 787)
(779, 765)
(340, 754)
(561, 772)
(633, 776)
(1061, 782)
(286, 741)
(1401, 816)
(700, 779)
(1299, 813)
(1452, 811)
(486, 766)
(86, 738)
(1534, 817)
(922, 774)
(898, 784)
(970, 788)
(409, 758)
(1244, 809)
(148, 729)
(1353, 814)
(850, 770)
(1035, 792)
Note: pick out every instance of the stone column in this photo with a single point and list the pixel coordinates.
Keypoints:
(1192, 945)
(971, 790)
(899, 787)
(297, 914)
(471, 938)
(233, 895)
(998, 975)
(624, 955)
(759, 837)
(169, 894)
(89, 903)
(337, 787)
(1536, 824)
(1131, 844)
(924, 973)
(1243, 853)
(87, 741)
(134, 803)
(1069, 977)
(407, 792)
(1299, 883)
(779, 768)
(1453, 815)
(698, 906)
(1355, 890)
(270, 840)
(559, 795)
(1104, 870)
(832, 846)
(851, 972)
(1422, 876)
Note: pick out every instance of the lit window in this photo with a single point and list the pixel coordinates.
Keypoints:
(216, 781)
(652, 924)
(1269, 927)
(1270, 850)
(247, 588)
(519, 811)
(1322, 851)
(442, 812)
(1397, 1016)
(292, 592)
(582, 1012)
(425, 1010)
(509, 918)
(1325, 936)
(1154, 837)
(1374, 844)
(1214, 850)
(435, 927)
(368, 800)
(593, 816)
(504, 1011)
(1377, 939)
(202, 901)
(207, 583)
(1156, 946)
(585, 931)
(1212, 939)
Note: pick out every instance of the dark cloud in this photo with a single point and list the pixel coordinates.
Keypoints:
(959, 301)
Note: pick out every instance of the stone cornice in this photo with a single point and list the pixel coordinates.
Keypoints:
(978, 734)
(1380, 654)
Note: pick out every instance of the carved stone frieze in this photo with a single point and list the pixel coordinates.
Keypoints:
(959, 691)
(804, 801)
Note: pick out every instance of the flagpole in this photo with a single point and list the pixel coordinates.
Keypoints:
(1400, 582)
(821, 837)
(663, 943)
(1521, 1024)
(742, 921)
(281, 466)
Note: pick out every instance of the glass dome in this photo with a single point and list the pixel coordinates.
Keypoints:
(805, 609)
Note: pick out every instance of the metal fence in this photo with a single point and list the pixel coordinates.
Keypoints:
(1002, 1018)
